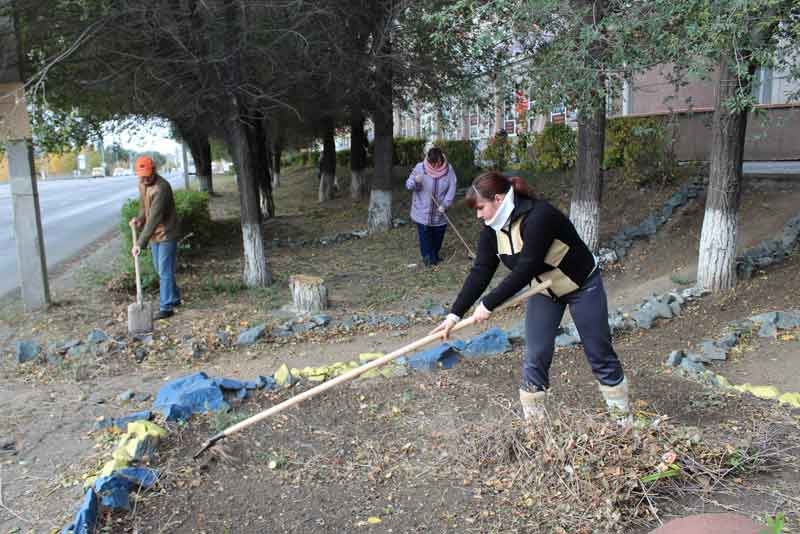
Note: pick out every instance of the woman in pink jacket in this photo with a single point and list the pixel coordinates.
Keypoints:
(433, 182)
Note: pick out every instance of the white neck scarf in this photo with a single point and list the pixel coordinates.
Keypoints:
(503, 212)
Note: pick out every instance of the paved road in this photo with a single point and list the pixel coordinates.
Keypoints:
(772, 167)
(75, 213)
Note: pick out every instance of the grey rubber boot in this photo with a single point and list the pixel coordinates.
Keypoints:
(617, 401)
(533, 405)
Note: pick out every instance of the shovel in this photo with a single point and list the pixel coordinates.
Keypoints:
(383, 360)
(140, 314)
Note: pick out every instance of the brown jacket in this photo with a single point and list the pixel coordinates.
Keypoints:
(157, 211)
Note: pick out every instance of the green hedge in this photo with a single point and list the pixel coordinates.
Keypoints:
(343, 158)
(194, 217)
(640, 147)
(555, 148)
(409, 150)
(461, 155)
(498, 152)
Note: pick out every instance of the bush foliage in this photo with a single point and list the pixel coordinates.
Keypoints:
(555, 148)
(640, 146)
(497, 153)
(461, 155)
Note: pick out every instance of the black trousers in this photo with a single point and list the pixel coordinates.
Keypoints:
(589, 309)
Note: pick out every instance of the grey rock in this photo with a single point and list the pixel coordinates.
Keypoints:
(321, 319)
(96, 336)
(765, 318)
(692, 366)
(698, 357)
(660, 309)
(566, 340)
(142, 397)
(675, 357)
(713, 352)
(728, 341)
(54, 358)
(282, 332)
(788, 320)
(437, 310)
(194, 349)
(744, 325)
(397, 320)
(126, 395)
(768, 330)
(791, 233)
(27, 351)
(223, 338)
(348, 323)
(360, 234)
(139, 355)
(64, 346)
(251, 335)
(145, 339)
(675, 307)
(302, 328)
(643, 318)
(77, 351)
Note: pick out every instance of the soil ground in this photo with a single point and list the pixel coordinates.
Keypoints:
(402, 450)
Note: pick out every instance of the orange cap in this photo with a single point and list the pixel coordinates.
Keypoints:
(144, 166)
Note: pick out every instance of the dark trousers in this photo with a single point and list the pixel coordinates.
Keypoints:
(430, 242)
(164, 260)
(589, 309)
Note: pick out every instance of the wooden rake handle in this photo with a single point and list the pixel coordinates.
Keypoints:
(446, 218)
(350, 375)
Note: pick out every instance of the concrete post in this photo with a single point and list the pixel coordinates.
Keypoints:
(31, 263)
(185, 166)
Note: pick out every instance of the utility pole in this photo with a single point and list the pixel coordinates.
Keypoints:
(15, 132)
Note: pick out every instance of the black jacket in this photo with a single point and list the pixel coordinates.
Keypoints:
(538, 241)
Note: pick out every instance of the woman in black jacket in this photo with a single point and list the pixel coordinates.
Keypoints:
(537, 242)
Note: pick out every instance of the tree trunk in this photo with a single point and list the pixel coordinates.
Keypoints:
(277, 154)
(358, 157)
(327, 164)
(309, 293)
(201, 154)
(584, 210)
(263, 157)
(716, 269)
(380, 200)
(244, 141)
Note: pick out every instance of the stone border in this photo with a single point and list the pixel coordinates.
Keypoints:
(617, 248)
(769, 251)
(766, 326)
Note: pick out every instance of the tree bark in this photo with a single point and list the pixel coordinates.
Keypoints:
(584, 210)
(327, 165)
(263, 169)
(716, 268)
(358, 157)
(243, 140)
(309, 293)
(200, 148)
(277, 154)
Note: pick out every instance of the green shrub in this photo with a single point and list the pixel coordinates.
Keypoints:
(343, 158)
(194, 217)
(408, 150)
(555, 148)
(461, 155)
(313, 158)
(498, 152)
(521, 153)
(640, 146)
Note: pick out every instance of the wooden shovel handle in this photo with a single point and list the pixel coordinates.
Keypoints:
(136, 268)
(521, 297)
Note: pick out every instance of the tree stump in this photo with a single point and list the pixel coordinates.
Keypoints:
(309, 293)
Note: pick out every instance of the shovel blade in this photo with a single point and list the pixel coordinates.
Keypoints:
(140, 318)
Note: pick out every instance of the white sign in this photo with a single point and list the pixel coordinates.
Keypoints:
(82, 162)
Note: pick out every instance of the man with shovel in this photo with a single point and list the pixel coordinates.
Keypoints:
(158, 221)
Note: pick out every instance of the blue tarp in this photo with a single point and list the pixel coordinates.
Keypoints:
(86, 517)
(493, 341)
(114, 490)
(122, 422)
(444, 355)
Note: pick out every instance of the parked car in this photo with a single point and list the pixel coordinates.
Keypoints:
(98, 172)
(122, 172)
